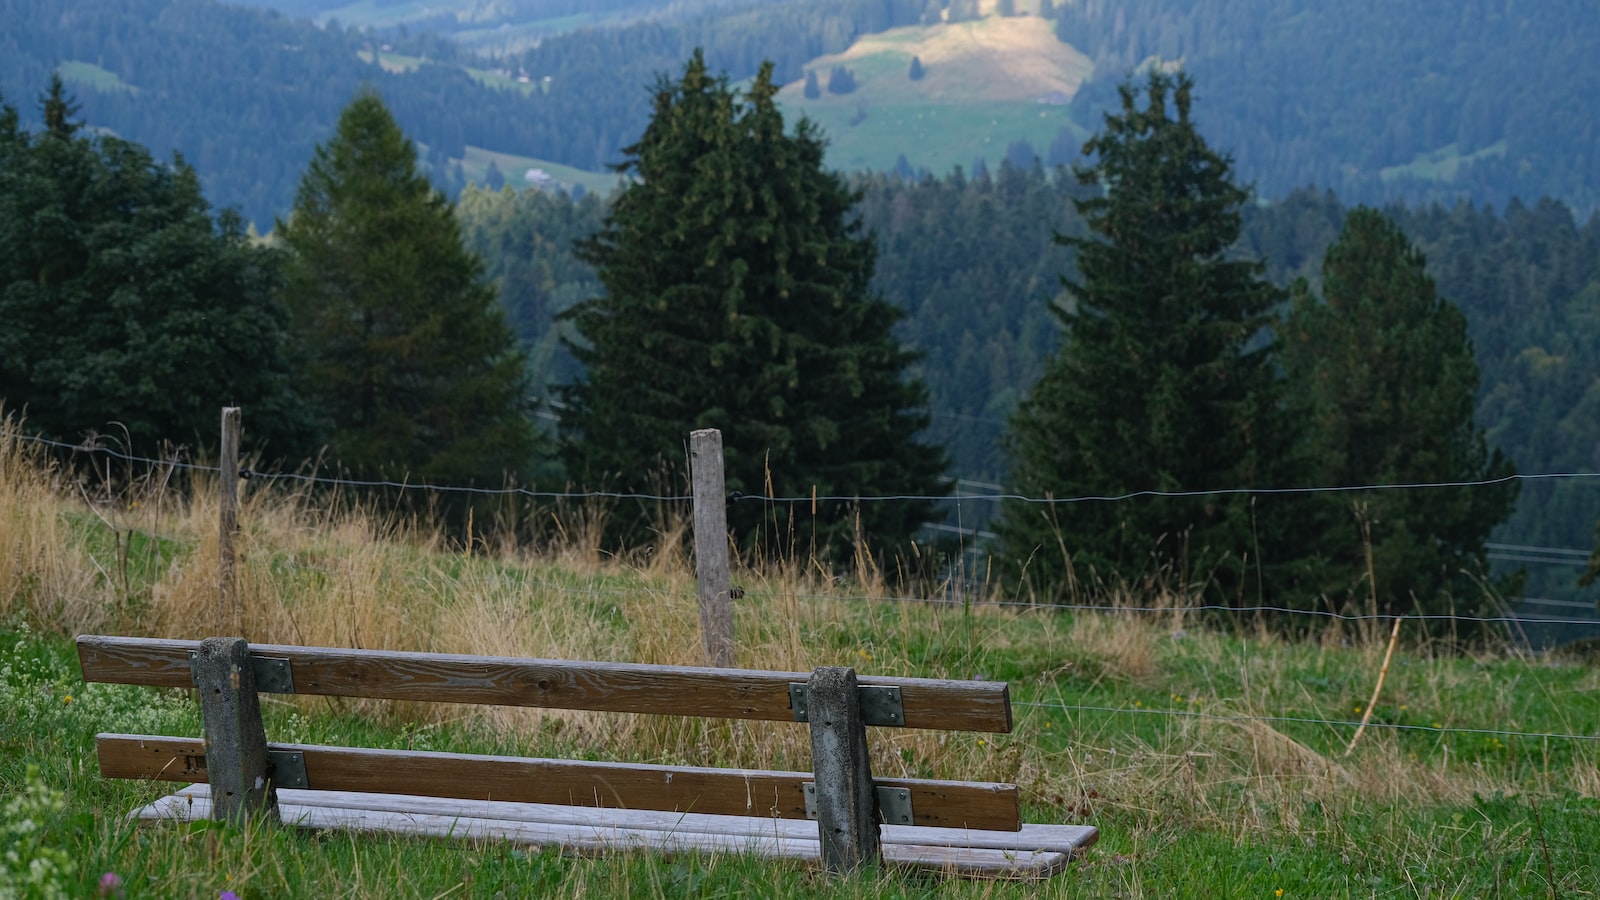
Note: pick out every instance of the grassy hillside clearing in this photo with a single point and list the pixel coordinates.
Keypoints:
(93, 76)
(397, 63)
(988, 82)
(1214, 764)
(985, 61)
(481, 26)
(475, 166)
(400, 63)
(1442, 164)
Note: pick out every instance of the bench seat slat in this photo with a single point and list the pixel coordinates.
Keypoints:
(954, 804)
(545, 683)
(1037, 851)
(1057, 838)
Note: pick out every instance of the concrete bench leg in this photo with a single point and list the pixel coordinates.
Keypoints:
(236, 740)
(847, 806)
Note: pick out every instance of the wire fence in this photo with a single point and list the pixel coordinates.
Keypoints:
(998, 495)
(1498, 552)
(958, 596)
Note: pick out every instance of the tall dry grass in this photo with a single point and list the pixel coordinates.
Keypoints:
(44, 571)
(320, 571)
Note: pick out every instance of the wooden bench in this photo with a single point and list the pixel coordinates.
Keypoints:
(971, 828)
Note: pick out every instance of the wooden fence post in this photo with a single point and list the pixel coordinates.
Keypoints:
(228, 501)
(847, 804)
(711, 545)
(236, 741)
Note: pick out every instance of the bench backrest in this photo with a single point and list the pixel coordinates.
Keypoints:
(560, 684)
(544, 683)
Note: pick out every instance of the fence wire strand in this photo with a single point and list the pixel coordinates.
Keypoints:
(737, 496)
(176, 463)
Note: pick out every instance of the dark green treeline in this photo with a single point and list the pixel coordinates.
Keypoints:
(973, 263)
(132, 309)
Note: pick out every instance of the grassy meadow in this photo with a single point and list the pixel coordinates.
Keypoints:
(475, 167)
(1213, 763)
(93, 76)
(987, 83)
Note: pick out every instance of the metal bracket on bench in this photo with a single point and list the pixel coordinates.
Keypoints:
(287, 769)
(894, 804)
(273, 674)
(880, 704)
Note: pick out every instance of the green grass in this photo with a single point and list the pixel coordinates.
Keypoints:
(1185, 807)
(91, 75)
(1442, 164)
(498, 39)
(504, 82)
(1213, 763)
(936, 138)
(400, 63)
(475, 166)
(394, 62)
(983, 90)
(965, 110)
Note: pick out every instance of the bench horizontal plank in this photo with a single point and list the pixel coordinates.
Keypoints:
(544, 683)
(954, 804)
(1035, 851)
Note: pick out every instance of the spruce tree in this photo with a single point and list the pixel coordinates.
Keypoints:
(1385, 372)
(58, 109)
(130, 307)
(812, 89)
(407, 356)
(841, 81)
(736, 297)
(1164, 381)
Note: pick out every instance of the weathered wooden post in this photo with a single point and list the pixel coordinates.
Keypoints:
(711, 545)
(847, 804)
(228, 502)
(236, 741)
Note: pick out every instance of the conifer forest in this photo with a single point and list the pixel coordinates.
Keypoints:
(1260, 269)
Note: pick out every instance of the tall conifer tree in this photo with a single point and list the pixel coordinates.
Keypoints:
(1164, 381)
(407, 355)
(1386, 374)
(128, 305)
(736, 297)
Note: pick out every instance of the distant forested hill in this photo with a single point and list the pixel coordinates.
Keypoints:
(245, 93)
(1380, 100)
(495, 27)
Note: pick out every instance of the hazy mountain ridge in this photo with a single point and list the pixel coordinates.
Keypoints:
(1378, 100)
(244, 94)
(1381, 101)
